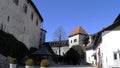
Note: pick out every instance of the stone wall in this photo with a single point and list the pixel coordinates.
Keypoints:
(15, 21)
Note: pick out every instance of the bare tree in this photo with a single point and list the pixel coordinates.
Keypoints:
(59, 35)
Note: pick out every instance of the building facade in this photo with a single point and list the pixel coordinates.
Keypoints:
(76, 36)
(110, 49)
(21, 19)
(107, 47)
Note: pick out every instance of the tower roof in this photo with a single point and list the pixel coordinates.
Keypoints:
(78, 30)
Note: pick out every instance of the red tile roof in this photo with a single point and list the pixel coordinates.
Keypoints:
(78, 30)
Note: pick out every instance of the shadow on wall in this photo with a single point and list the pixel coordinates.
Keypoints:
(10, 46)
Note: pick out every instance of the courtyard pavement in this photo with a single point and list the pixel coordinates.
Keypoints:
(63, 66)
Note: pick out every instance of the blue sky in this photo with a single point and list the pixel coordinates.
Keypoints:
(92, 15)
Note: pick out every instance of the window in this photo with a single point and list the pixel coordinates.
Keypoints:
(115, 56)
(16, 1)
(44, 39)
(41, 34)
(24, 29)
(25, 8)
(75, 40)
(44, 35)
(63, 53)
(8, 18)
(40, 39)
(95, 57)
(32, 15)
(71, 41)
(119, 55)
(36, 22)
